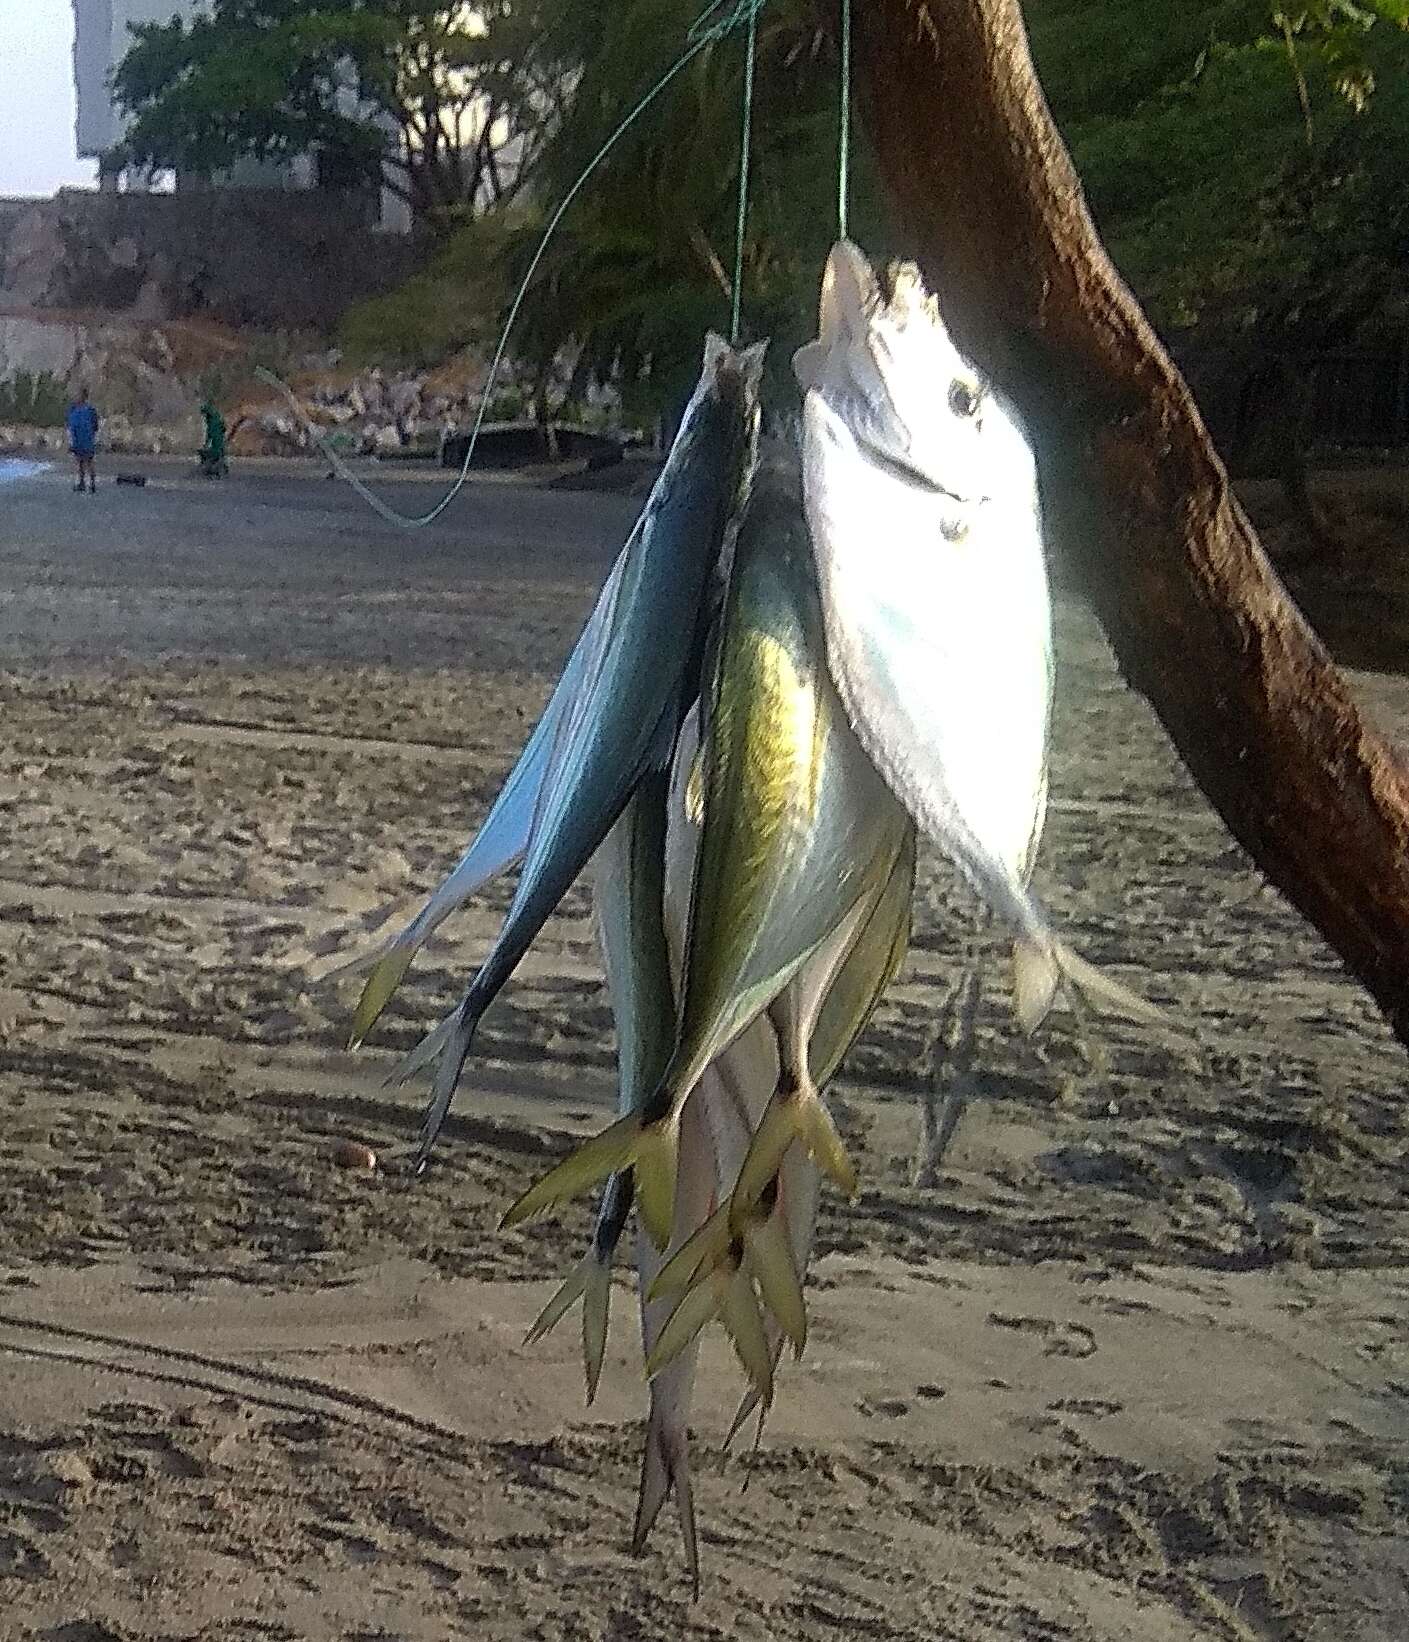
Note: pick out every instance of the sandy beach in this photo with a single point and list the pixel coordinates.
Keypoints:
(1135, 1364)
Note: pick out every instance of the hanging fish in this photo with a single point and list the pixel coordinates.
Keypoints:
(799, 830)
(625, 716)
(715, 1125)
(921, 495)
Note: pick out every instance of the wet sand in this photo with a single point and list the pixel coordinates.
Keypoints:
(1134, 1365)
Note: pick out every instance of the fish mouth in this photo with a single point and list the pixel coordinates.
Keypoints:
(908, 473)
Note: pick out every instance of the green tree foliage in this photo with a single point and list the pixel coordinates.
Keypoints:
(1188, 123)
(643, 264)
(1240, 185)
(446, 104)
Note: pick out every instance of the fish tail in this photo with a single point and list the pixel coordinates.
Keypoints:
(464, 1023)
(387, 973)
(763, 1247)
(699, 1304)
(698, 1255)
(726, 1293)
(770, 1259)
(1042, 970)
(657, 1161)
(426, 1053)
(571, 1290)
(792, 1114)
(596, 1317)
(590, 1282)
(743, 1321)
(360, 963)
(614, 1148)
(750, 1400)
(665, 1469)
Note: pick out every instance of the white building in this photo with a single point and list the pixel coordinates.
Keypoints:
(102, 37)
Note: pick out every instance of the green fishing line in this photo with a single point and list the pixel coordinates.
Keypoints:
(745, 145)
(844, 137)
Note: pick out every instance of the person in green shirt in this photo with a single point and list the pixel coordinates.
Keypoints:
(213, 462)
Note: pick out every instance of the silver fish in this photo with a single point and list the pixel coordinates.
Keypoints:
(921, 495)
(625, 719)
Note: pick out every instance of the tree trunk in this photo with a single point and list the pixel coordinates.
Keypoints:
(1135, 496)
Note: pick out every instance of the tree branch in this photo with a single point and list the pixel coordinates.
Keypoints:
(1134, 493)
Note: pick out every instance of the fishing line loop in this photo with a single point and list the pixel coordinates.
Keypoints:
(714, 23)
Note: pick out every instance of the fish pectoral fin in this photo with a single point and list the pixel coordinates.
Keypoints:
(1041, 971)
(389, 971)
(665, 1468)
(613, 1149)
(769, 1257)
(791, 1115)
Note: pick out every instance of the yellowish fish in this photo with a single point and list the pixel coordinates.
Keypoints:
(799, 830)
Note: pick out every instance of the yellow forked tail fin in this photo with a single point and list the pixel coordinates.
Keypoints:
(725, 1293)
(791, 1115)
(652, 1149)
(377, 992)
(591, 1282)
(765, 1253)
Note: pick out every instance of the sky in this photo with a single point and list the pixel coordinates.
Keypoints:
(36, 99)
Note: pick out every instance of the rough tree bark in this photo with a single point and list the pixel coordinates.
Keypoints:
(1136, 497)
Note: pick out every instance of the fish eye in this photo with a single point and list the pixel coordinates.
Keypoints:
(963, 399)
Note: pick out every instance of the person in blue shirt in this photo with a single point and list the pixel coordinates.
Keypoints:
(83, 422)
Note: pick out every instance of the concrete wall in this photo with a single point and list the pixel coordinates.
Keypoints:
(267, 259)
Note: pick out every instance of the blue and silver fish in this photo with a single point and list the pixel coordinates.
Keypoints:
(625, 716)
